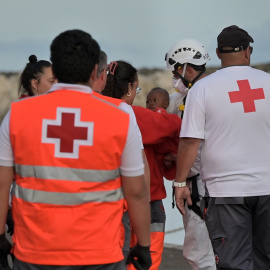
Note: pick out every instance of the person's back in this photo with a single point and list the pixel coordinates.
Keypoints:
(231, 122)
(71, 170)
(238, 126)
(86, 138)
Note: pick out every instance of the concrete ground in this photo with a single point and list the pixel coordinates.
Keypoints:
(172, 259)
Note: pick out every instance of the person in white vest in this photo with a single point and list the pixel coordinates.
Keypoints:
(227, 115)
(187, 59)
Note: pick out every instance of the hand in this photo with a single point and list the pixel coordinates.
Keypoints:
(140, 257)
(169, 160)
(170, 157)
(168, 164)
(181, 194)
(5, 249)
(10, 223)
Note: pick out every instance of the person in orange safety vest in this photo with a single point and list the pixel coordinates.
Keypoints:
(75, 162)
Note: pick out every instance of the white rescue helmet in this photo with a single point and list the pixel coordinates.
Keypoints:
(186, 51)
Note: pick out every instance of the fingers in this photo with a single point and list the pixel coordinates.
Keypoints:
(136, 264)
(128, 261)
(181, 206)
(189, 201)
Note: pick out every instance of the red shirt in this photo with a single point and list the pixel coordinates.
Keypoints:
(160, 134)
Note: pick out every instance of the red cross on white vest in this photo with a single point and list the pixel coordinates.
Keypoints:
(67, 132)
(246, 95)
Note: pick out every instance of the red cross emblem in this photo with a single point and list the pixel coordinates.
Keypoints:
(246, 95)
(67, 132)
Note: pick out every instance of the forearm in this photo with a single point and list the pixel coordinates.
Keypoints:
(6, 177)
(137, 199)
(187, 152)
(146, 174)
(139, 213)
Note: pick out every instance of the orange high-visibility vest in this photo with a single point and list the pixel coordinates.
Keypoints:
(68, 199)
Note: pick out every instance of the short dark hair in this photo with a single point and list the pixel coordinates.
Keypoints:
(32, 70)
(161, 90)
(74, 54)
(118, 80)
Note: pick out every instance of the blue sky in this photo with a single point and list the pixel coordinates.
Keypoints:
(138, 31)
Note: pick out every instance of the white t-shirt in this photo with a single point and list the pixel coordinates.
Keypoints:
(235, 130)
(131, 160)
(128, 109)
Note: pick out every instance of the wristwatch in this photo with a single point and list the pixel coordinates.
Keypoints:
(179, 184)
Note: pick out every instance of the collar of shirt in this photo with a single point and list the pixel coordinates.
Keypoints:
(66, 86)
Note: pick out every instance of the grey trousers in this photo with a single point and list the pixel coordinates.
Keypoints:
(126, 247)
(239, 229)
(19, 265)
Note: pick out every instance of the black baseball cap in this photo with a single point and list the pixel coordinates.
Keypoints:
(235, 37)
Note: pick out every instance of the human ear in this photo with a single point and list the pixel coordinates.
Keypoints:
(103, 76)
(166, 104)
(34, 84)
(247, 53)
(93, 76)
(217, 52)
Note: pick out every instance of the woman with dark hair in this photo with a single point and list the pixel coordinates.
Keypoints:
(122, 82)
(155, 128)
(36, 78)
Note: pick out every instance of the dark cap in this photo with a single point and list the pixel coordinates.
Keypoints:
(235, 37)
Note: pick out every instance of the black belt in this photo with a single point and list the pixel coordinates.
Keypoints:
(195, 197)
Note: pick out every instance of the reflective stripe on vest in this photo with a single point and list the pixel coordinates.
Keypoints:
(64, 198)
(157, 227)
(70, 174)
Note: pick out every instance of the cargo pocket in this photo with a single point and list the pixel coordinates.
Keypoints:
(215, 219)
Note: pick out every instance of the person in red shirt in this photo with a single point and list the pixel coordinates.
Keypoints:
(160, 134)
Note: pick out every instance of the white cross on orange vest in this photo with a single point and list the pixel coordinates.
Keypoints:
(67, 132)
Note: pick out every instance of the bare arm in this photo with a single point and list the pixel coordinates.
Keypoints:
(6, 178)
(146, 174)
(187, 152)
(137, 198)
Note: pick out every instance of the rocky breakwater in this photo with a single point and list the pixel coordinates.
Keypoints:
(8, 91)
(148, 79)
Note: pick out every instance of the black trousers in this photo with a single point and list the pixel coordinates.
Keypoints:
(239, 229)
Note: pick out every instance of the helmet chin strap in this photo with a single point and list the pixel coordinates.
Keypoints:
(187, 83)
